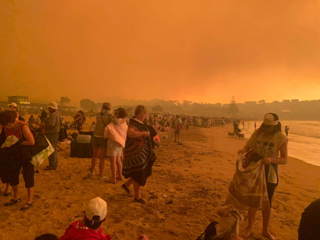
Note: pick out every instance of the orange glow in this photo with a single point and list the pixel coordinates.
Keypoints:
(205, 51)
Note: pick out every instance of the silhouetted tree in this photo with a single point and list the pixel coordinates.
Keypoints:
(88, 105)
(157, 108)
(65, 101)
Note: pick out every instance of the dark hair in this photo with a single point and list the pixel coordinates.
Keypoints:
(122, 113)
(7, 117)
(47, 236)
(95, 225)
(309, 224)
(276, 128)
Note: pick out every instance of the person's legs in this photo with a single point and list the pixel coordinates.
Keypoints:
(102, 154)
(129, 182)
(28, 176)
(137, 190)
(94, 159)
(266, 216)
(119, 168)
(113, 168)
(53, 161)
(8, 188)
(251, 219)
(15, 189)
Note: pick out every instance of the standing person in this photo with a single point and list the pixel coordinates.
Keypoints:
(139, 153)
(99, 143)
(255, 125)
(267, 142)
(242, 124)
(43, 116)
(14, 107)
(177, 128)
(8, 190)
(286, 129)
(21, 158)
(32, 119)
(52, 131)
(79, 118)
(116, 135)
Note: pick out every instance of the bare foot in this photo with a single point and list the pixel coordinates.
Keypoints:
(268, 235)
(248, 231)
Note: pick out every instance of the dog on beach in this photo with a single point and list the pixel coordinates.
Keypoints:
(231, 134)
(240, 135)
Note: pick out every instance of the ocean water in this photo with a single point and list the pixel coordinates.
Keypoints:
(304, 139)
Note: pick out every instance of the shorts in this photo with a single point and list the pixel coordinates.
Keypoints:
(177, 131)
(114, 148)
(99, 142)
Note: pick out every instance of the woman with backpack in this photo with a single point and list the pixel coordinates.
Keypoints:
(266, 143)
(20, 157)
(99, 143)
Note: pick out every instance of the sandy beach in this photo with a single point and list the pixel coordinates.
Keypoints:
(188, 185)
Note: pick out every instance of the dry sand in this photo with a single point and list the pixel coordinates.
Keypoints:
(188, 185)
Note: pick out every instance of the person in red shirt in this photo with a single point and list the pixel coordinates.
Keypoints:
(89, 228)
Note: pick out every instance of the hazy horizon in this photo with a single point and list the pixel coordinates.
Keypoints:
(205, 51)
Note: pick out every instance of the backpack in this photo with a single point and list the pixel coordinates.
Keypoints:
(209, 233)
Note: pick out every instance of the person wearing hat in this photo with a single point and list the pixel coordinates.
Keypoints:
(90, 226)
(14, 107)
(267, 142)
(52, 130)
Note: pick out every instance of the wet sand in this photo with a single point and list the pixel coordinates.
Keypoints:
(188, 185)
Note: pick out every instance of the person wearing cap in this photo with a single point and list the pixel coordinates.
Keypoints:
(14, 107)
(267, 142)
(52, 130)
(90, 226)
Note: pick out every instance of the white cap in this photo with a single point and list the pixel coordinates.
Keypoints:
(53, 105)
(269, 120)
(96, 210)
(13, 105)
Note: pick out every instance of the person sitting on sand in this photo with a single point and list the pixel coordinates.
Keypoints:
(309, 227)
(227, 228)
(90, 226)
(266, 143)
(116, 135)
(139, 153)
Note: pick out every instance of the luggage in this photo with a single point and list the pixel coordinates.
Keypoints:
(81, 150)
(81, 138)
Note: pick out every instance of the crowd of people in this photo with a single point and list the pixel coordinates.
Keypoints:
(129, 143)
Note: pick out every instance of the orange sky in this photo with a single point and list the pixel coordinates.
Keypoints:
(204, 51)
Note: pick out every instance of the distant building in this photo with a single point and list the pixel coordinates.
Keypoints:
(286, 101)
(250, 103)
(24, 104)
(295, 100)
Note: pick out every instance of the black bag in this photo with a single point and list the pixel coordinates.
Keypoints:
(11, 156)
(209, 233)
(81, 150)
(41, 143)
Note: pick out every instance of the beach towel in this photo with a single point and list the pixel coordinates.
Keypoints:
(248, 188)
(117, 133)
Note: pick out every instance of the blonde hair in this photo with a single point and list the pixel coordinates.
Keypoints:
(140, 109)
(106, 106)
